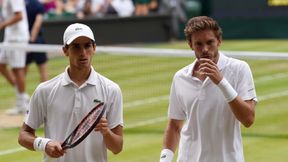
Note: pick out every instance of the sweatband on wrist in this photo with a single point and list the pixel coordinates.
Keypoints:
(40, 143)
(166, 155)
(228, 91)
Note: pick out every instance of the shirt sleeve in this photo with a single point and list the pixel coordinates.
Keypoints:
(115, 107)
(246, 88)
(176, 109)
(17, 5)
(36, 110)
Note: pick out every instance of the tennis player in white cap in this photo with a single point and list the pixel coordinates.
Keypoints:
(61, 102)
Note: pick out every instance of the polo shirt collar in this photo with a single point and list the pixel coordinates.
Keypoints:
(222, 61)
(91, 79)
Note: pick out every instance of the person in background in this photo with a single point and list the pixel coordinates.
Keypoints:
(79, 86)
(91, 8)
(146, 7)
(209, 100)
(94, 8)
(53, 8)
(123, 8)
(15, 27)
(175, 8)
(153, 6)
(35, 13)
(141, 7)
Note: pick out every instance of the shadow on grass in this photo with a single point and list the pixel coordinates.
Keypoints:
(263, 135)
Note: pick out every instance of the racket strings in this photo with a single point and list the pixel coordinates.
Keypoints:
(86, 125)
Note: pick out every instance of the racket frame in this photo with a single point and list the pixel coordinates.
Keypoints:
(67, 144)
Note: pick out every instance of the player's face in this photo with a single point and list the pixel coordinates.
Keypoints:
(205, 45)
(80, 53)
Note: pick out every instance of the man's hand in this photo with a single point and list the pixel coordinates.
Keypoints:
(54, 149)
(208, 68)
(102, 126)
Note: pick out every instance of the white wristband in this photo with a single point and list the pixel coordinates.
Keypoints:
(228, 91)
(40, 143)
(166, 155)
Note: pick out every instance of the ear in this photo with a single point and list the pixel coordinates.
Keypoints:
(219, 42)
(65, 50)
(190, 44)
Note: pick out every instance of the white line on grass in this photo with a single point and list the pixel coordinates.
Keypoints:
(147, 122)
(273, 95)
(271, 77)
(11, 151)
(155, 120)
(145, 101)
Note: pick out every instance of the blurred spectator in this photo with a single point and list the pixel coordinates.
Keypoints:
(53, 8)
(88, 8)
(153, 6)
(177, 9)
(35, 13)
(49, 5)
(16, 31)
(70, 6)
(141, 7)
(123, 8)
(95, 8)
(144, 7)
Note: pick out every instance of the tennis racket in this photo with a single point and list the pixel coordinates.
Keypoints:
(84, 128)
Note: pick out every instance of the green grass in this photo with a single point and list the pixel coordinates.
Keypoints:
(146, 78)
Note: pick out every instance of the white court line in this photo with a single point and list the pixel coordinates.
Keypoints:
(155, 120)
(144, 101)
(271, 77)
(273, 95)
(147, 122)
(11, 151)
(56, 48)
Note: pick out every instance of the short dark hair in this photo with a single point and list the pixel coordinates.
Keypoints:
(201, 23)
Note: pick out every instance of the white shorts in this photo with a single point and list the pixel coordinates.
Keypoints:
(13, 58)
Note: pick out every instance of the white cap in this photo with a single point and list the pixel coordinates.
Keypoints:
(76, 30)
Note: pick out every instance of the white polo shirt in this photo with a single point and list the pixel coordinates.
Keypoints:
(211, 132)
(60, 105)
(19, 32)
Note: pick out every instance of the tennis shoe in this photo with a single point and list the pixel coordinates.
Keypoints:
(16, 111)
(21, 105)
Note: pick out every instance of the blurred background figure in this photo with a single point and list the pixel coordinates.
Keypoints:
(94, 8)
(35, 13)
(177, 10)
(124, 8)
(53, 8)
(102, 8)
(141, 7)
(15, 27)
(153, 6)
(145, 7)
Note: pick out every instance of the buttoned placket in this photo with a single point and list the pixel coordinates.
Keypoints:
(77, 101)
